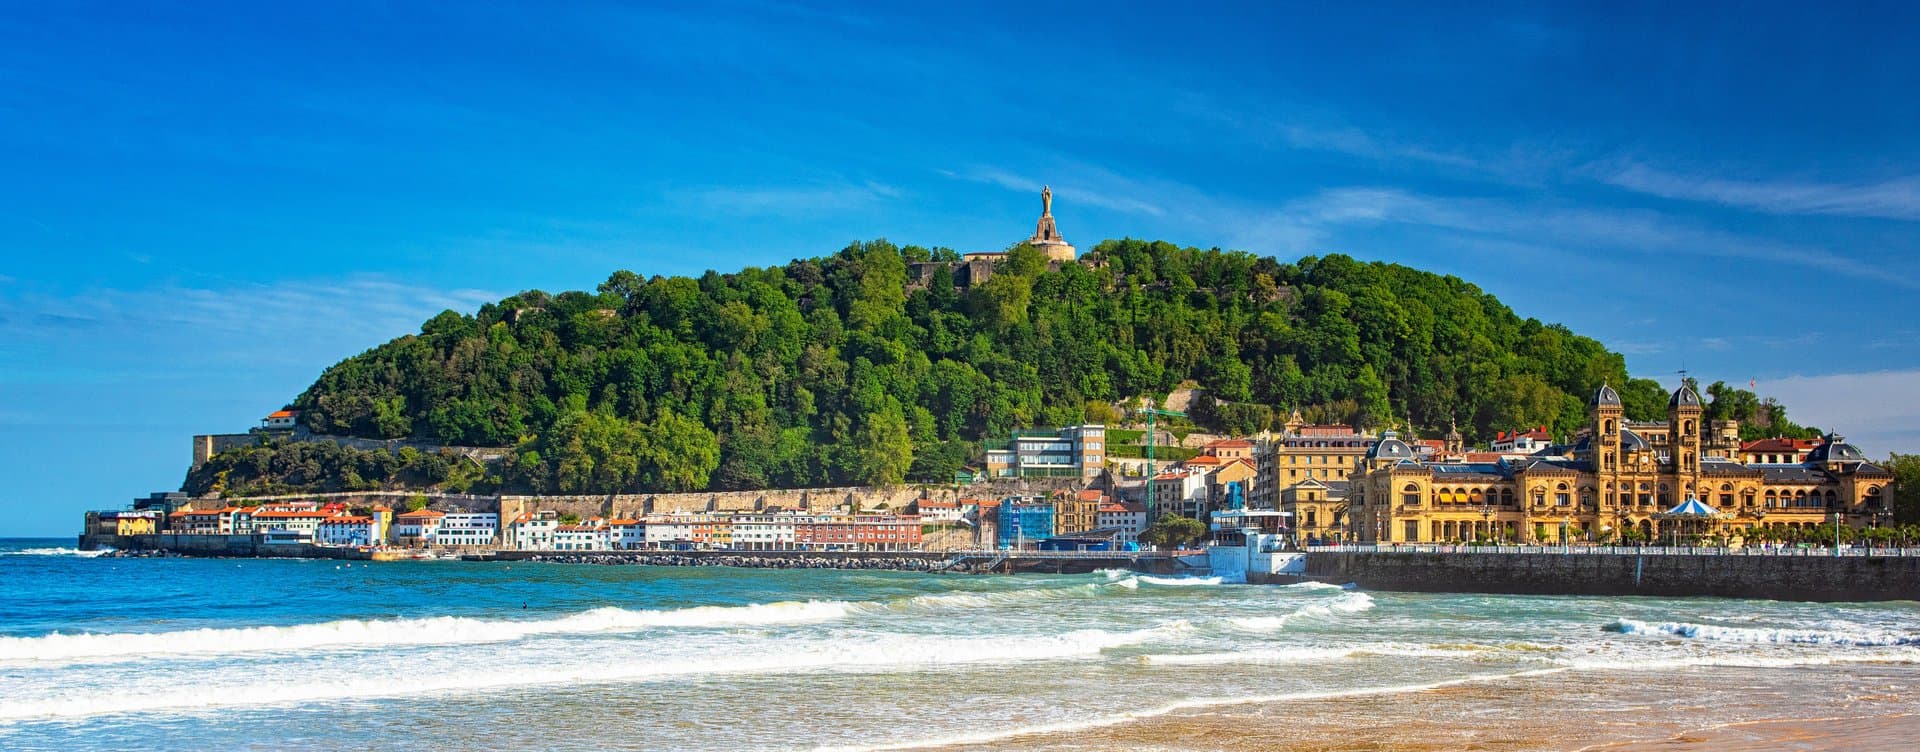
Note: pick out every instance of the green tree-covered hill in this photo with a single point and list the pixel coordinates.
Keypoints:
(846, 370)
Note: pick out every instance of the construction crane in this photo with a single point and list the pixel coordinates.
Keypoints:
(1152, 413)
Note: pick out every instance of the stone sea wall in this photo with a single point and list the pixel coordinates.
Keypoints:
(1801, 578)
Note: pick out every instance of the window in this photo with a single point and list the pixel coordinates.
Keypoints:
(1562, 499)
(1410, 495)
(1413, 530)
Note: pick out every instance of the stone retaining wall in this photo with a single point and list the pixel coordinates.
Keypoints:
(1800, 578)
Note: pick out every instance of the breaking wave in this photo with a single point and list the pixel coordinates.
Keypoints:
(355, 633)
(57, 552)
(998, 598)
(1762, 636)
(899, 652)
(1180, 581)
(1345, 603)
(1738, 660)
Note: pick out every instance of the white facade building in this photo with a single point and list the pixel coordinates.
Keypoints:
(580, 538)
(532, 531)
(417, 527)
(627, 535)
(1128, 517)
(347, 531)
(765, 532)
(467, 529)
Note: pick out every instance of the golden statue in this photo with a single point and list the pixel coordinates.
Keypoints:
(1046, 200)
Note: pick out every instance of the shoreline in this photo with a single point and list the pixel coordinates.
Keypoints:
(1655, 710)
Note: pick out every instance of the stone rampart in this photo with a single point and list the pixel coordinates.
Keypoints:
(1799, 578)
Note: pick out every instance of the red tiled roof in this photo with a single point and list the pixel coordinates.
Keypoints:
(1230, 444)
(1205, 459)
(1090, 495)
(1777, 444)
(284, 413)
(418, 514)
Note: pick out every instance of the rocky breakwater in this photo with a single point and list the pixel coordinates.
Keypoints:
(749, 561)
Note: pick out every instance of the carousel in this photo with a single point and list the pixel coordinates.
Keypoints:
(1691, 520)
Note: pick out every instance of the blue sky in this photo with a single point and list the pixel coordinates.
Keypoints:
(205, 204)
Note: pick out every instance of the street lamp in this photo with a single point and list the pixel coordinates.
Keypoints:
(1565, 546)
(1486, 518)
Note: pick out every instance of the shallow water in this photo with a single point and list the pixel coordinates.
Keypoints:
(223, 654)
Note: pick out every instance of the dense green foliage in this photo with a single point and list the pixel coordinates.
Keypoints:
(1906, 486)
(1758, 419)
(1174, 531)
(837, 370)
(318, 466)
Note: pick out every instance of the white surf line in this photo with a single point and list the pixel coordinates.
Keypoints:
(906, 653)
(379, 633)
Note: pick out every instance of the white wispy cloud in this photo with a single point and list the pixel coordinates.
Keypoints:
(1888, 199)
(1632, 231)
(1082, 184)
(1875, 410)
(786, 200)
(113, 331)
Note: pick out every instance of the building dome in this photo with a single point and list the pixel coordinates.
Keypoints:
(1390, 447)
(1685, 396)
(1605, 397)
(1836, 449)
(1631, 442)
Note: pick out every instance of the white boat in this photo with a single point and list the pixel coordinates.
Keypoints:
(1251, 546)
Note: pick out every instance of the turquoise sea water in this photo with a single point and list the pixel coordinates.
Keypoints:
(102, 653)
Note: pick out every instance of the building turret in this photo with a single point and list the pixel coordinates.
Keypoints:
(1605, 414)
(1684, 412)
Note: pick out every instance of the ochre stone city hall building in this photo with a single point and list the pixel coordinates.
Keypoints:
(1617, 475)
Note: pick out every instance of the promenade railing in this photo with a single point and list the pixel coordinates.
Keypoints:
(1592, 550)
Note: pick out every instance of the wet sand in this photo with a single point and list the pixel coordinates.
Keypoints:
(1856, 707)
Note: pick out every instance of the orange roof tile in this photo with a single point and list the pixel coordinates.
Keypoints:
(421, 513)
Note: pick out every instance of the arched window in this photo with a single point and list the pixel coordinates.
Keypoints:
(1410, 495)
(1506, 497)
(1833, 499)
(1689, 428)
(1608, 431)
(1726, 486)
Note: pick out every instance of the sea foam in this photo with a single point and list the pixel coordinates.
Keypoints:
(1717, 633)
(357, 633)
(57, 552)
(1344, 603)
(904, 652)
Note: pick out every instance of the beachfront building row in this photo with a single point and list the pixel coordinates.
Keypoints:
(336, 525)
(1619, 480)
